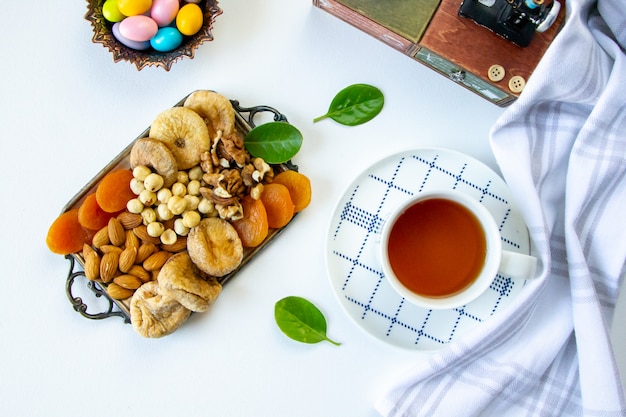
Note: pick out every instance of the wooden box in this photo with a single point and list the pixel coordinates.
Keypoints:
(432, 32)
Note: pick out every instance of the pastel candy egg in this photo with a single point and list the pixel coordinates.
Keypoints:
(166, 39)
(189, 19)
(111, 12)
(164, 11)
(138, 28)
(133, 7)
(139, 46)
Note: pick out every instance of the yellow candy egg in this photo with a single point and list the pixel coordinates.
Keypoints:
(189, 19)
(133, 7)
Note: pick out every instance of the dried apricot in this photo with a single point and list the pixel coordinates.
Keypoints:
(66, 235)
(90, 214)
(278, 205)
(299, 187)
(114, 191)
(253, 227)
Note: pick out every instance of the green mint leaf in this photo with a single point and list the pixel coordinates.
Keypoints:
(355, 105)
(275, 142)
(300, 320)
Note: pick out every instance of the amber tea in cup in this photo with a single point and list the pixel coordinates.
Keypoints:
(443, 249)
(436, 247)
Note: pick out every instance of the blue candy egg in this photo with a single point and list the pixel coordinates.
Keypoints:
(166, 39)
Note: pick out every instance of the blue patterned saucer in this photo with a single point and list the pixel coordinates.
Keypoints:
(354, 231)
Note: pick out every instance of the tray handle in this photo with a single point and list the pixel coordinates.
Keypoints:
(253, 111)
(77, 302)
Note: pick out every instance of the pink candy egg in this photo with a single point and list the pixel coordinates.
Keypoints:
(164, 11)
(139, 46)
(138, 28)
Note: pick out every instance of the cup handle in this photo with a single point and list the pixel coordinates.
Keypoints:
(517, 265)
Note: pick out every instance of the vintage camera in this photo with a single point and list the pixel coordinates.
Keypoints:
(515, 20)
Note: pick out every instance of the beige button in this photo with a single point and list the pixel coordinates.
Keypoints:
(517, 84)
(496, 72)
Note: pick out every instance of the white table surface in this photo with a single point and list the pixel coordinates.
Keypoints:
(67, 109)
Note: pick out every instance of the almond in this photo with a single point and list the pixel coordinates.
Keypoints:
(128, 281)
(156, 260)
(142, 234)
(101, 237)
(108, 266)
(131, 239)
(178, 246)
(140, 272)
(110, 248)
(129, 220)
(86, 250)
(118, 292)
(169, 224)
(117, 234)
(127, 258)
(92, 264)
(145, 250)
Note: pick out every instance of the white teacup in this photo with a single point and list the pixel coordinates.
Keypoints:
(442, 249)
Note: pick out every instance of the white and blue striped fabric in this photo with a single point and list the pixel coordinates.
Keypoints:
(562, 149)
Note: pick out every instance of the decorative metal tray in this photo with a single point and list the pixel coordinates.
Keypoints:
(244, 121)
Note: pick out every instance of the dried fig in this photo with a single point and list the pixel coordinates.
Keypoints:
(153, 314)
(156, 155)
(183, 281)
(184, 132)
(215, 247)
(215, 109)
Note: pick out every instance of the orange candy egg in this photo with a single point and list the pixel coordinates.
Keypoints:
(189, 19)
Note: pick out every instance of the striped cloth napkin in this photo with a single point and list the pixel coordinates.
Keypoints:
(562, 149)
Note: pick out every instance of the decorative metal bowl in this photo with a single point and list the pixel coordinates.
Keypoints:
(102, 33)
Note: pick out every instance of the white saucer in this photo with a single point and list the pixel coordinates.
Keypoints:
(354, 231)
